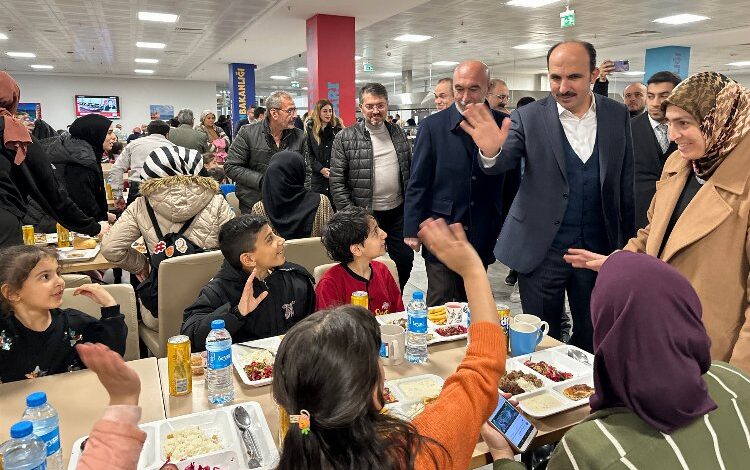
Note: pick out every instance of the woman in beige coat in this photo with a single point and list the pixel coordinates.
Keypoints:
(175, 189)
(699, 215)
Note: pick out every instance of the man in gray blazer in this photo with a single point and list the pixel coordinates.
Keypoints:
(577, 188)
(185, 135)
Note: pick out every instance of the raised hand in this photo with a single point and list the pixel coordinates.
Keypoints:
(450, 245)
(97, 293)
(248, 302)
(481, 126)
(120, 381)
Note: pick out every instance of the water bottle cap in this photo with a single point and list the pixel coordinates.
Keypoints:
(217, 325)
(21, 429)
(417, 295)
(36, 399)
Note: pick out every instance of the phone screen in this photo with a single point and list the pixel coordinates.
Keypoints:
(622, 66)
(509, 421)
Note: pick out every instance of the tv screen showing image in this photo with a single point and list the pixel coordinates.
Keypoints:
(107, 106)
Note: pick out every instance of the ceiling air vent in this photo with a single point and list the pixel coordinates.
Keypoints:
(188, 30)
(645, 32)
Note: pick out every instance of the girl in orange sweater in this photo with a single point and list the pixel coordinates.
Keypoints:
(331, 369)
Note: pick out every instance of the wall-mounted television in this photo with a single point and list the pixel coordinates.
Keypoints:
(107, 106)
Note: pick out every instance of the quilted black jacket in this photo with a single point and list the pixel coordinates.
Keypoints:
(351, 164)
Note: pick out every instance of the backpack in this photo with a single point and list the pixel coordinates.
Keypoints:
(170, 245)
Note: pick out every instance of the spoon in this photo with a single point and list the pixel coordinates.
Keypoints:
(579, 356)
(244, 422)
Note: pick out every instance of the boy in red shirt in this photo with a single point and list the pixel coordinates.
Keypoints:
(352, 237)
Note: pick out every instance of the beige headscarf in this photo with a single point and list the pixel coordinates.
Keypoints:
(722, 107)
(16, 137)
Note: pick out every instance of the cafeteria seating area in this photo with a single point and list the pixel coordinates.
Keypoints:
(414, 234)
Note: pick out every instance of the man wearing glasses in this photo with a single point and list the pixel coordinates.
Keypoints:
(254, 146)
(498, 95)
(370, 168)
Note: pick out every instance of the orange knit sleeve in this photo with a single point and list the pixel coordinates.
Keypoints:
(468, 397)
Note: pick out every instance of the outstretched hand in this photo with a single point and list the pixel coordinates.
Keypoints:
(585, 259)
(481, 126)
(248, 302)
(120, 381)
(450, 245)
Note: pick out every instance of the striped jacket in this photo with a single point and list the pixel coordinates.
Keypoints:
(618, 439)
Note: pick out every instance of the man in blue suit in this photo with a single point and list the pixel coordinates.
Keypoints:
(577, 189)
(447, 182)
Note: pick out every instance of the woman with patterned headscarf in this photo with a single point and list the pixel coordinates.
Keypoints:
(699, 217)
(217, 139)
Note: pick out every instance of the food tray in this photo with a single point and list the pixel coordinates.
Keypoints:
(241, 357)
(76, 256)
(556, 357)
(433, 337)
(232, 456)
(403, 408)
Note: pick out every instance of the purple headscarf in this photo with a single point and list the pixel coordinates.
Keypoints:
(650, 347)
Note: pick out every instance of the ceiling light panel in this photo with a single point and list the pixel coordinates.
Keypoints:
(530, 3)
(147, 61)
(412, 38)
(21, 55)
(683, 18)
(150, 45)
(160, 17)
(144, 71)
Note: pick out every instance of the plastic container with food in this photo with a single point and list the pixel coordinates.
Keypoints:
(552, 365)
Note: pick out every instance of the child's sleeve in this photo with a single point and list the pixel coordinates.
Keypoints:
(327, 293)
(109, 330)
(196, 323)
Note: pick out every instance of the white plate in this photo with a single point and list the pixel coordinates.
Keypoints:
(76, 256)
(557, 360)
(242, 357)
(232, 456)
(396, 386)
(434, 338)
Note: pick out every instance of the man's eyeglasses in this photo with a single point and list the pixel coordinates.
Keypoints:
(289, 111)
(378, 106)
(500, 97)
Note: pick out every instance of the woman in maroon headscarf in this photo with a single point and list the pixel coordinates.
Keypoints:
(660, 403)
(25, 171)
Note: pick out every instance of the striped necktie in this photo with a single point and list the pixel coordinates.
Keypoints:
(661, 136)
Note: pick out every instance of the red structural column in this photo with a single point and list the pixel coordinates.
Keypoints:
(330, 63)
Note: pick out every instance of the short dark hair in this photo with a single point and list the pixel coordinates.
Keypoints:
(524, 101)
(347, 227)
(117, 148)
(376, 89)
(238, 236)
(258, 111)
(157, 126)
(664, 77)
(586, 45)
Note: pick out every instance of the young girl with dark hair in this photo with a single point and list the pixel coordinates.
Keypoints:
(330, 372)
(37, 337)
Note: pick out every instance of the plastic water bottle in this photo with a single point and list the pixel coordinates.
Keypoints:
(24, 451)
(416, 335)
(219, 364)
(46, 427)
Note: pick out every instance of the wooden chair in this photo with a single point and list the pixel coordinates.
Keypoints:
(180, 281)
(307, 252)
(124, 295)
(319, 271)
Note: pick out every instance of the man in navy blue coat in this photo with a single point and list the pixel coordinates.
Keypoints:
(577, 188)
(447, 182)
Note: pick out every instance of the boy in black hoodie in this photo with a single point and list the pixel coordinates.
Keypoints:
(256, 292)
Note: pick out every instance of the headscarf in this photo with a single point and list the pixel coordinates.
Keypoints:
(650, 346)
(92, 128)
(210, 130)
(722, 107)
(289, 206)
(171, 161)
(16, 137)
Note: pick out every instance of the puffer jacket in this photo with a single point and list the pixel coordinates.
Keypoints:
(351, 164)
(175, 199)
(249, 156)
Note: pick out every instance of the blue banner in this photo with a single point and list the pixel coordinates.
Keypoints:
(241, 89)
(674, 59)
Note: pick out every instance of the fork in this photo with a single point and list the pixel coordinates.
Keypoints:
(258, 348)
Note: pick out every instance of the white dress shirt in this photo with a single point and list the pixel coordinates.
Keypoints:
(581, 132)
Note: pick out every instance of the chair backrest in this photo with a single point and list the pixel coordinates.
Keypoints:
(124, 295)
(307, 252)
(76, 279)
(234, 203)
(319, 271)
(180, 281)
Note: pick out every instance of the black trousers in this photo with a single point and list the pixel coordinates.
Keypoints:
(543, 294)
(392, 221)
(443, 285)
(10, 229)
(133, 192)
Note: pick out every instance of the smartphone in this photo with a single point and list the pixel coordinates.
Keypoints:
(621, 66)
(513, 425)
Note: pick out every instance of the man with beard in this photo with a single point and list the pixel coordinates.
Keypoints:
(499, 95)
(447, 182)
(443, 93)
(370, 168)
(635, 98)
(577, 188)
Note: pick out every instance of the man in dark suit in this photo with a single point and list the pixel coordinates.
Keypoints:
(447, 182)
(651, 146)
(577, 188)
